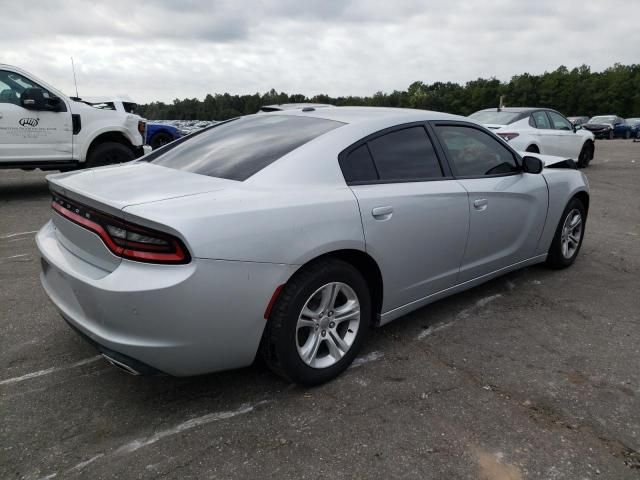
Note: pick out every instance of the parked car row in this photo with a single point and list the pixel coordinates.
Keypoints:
(609, 126)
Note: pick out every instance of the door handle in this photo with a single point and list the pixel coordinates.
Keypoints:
(382, 213)
(481, 204)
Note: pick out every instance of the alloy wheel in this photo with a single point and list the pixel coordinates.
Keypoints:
(328, 325)
(571, 233)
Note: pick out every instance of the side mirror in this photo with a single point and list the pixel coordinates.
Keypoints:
(577, 127)
(38, 99)
(34, 99)
(532, 165)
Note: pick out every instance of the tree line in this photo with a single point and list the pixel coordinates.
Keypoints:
(579, 91)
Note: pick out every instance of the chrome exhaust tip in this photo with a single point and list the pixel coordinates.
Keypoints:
(120, 365)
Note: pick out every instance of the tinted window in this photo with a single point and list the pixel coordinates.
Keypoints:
(238, 149)
(541, 119)
(358, 166)
(476, 153)
(405, 155)
(559, 122)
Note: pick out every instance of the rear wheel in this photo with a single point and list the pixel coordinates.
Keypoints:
(569, 235)
(627, 134)
(533, 149)
(108, 153)
(318, 323)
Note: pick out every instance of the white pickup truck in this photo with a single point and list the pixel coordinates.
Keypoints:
(40, 127)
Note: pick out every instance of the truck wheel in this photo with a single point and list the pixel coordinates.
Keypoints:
(533, 149)
(108, 153)
(160, 139)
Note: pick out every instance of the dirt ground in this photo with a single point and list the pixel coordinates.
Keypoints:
(535, 375)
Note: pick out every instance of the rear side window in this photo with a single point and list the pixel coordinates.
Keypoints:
(238, 149)
(358, 166)
(475, 153)
(405, 155)
(541, 119)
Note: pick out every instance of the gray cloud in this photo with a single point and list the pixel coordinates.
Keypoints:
(160, 50)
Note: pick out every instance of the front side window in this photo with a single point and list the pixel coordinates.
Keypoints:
(559, 122)
(541, 120)
(475, 153)
(238, 149)
(12, 85)
(405, 155)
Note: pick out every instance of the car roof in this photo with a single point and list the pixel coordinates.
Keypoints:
(515, 109)
(292, 106)
(354, 115)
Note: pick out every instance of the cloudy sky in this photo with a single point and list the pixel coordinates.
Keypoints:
(161, 50)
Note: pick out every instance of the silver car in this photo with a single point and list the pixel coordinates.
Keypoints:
(290, 234)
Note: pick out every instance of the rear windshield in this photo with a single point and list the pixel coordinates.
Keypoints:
(240, 148)
(495, 117)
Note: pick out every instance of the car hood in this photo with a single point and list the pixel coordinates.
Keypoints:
(115, 187)
(596, 126)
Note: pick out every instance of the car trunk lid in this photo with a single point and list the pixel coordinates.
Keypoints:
(109, 190)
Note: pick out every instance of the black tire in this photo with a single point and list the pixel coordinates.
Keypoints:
(533, 149)
(627, 134)
(586, 155)
(279, 347)
(556, 258)
(108, 153)
(611, 135)
(160, 139)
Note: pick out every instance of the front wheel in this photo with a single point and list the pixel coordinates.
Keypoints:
(627, 134)
(160, 139)
(108, 153)
(611, 135)
(586, 154)
(569, 235)
(318, 323)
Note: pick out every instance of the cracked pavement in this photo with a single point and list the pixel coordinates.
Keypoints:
(534, 375)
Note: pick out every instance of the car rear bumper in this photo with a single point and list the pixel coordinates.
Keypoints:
(178, 319)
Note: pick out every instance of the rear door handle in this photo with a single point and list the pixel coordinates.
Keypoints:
(382, 213)
(480, 204)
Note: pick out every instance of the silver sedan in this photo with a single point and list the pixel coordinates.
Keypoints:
(290, 234)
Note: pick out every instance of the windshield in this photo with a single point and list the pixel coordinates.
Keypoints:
(238, 149)
(603, 119)
(496, 117)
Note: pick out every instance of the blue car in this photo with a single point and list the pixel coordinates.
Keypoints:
(634, 123)
(159, 134)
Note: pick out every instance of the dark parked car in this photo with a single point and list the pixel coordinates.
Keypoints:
(634, 123)
(608, 126)
(577, 121)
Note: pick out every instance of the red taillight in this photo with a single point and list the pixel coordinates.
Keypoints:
(123, 238)
(508, 136)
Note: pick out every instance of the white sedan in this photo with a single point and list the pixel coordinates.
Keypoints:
(539, 130)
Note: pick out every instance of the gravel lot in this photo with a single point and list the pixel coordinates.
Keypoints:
(535, 375)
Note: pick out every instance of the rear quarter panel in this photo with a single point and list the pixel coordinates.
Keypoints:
(287, 226)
